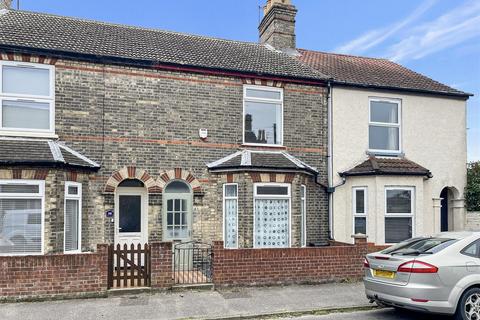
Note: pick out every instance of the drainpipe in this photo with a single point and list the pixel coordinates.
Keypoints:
(330, 160)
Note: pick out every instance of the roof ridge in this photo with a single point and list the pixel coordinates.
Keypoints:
(128, 26)
(344, 54)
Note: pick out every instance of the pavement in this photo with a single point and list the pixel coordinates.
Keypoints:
(233, 303)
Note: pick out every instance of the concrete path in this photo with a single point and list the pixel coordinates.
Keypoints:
(194, 304)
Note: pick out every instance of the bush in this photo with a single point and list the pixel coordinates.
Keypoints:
(472, 191)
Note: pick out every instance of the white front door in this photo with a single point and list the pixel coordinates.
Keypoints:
(131, 216)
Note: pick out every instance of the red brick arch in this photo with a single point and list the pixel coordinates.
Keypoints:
(131, 172)
(179, 174)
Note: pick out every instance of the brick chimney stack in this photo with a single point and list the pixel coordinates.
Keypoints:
(278, 25)
(5, 4)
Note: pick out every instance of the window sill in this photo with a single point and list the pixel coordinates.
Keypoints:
(24, 134)
(385, 153)
(263, 146)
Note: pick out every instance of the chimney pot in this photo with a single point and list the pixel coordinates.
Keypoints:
(5, 4)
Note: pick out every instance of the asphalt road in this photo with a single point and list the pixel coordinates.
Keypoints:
(382, 314)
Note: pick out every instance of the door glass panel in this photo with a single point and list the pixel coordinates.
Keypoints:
(177, 218)
(130, 212)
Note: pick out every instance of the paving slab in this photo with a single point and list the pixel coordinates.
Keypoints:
(224, 303)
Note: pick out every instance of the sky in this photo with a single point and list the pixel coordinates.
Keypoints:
(438, 38)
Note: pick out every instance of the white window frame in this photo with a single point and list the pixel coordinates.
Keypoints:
(354, 207)
(303, 213)
(273, 196)
(411, 214)
(224, 202)
(271, 101)
(40, 195)
(398, 125)
(30, 98)
(73, 197)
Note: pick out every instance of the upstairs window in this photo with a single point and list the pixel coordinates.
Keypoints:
(26, 97)
(384, 126)
(263, 115)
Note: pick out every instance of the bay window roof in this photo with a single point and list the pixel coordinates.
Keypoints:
(40, 152)
(387, 166)
(250, 160)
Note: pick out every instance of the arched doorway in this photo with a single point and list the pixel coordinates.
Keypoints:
(447, 196)
(131, 213)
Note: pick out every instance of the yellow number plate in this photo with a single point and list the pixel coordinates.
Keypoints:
(384, 274)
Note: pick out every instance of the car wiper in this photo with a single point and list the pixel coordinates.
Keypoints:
(411, 252)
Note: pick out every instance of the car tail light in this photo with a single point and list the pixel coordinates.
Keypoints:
(382, 258)
(366, 264)
(417, 267)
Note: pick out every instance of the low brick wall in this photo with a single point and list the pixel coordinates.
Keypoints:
(161, 263)
(58, 275)
(289, 265)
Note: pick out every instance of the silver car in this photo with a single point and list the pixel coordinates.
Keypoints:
(438, 274)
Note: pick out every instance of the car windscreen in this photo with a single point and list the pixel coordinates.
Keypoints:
(420, 246)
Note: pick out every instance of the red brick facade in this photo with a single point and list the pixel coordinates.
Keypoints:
(161, 263)
(57, 275)
(290, 265)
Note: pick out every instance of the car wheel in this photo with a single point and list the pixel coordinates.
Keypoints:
(469, 305)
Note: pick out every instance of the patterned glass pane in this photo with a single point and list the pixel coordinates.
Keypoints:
(271, 223)
(230, 223)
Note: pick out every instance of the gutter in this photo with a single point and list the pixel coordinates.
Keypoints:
(48, 164)
(155, 64)
(464, 95)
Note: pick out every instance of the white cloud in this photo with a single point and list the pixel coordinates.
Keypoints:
(374, 37)
(452, 28)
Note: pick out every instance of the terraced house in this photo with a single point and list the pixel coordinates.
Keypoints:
(118, 134)
(113, 134)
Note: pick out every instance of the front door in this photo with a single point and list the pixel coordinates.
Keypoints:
(444, 210)
(131, 216)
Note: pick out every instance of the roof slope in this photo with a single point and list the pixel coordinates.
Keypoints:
(372, 72)
(49, 153)
(387, 166)
(77, 36)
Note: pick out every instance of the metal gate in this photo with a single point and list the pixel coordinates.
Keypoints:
(128, 267)
(192, 263)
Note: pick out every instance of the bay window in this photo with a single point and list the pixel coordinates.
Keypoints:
(21, 217)
(384, 126)
(73, 217)
(271, 215)
(26, 97)
(230, 215)
(263, 115)
(360, 210)
(399, 214)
